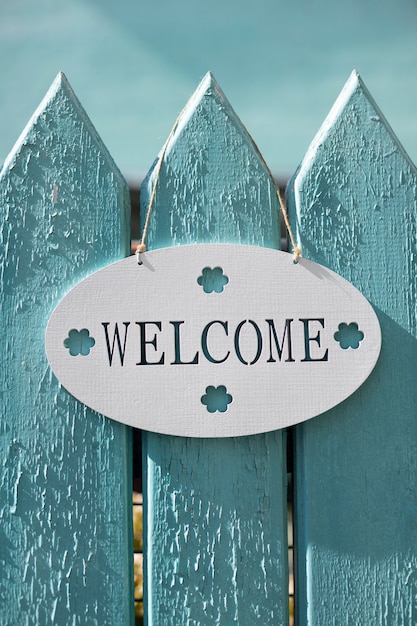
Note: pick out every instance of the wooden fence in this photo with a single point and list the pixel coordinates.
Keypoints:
(215, 526)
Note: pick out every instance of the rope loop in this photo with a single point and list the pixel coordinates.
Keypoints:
(296, 250)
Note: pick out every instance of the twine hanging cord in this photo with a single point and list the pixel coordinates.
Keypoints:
(141, 247)
(296, 250)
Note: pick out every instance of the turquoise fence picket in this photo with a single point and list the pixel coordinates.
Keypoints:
(65, 477)
(215, 538)
(353, 203)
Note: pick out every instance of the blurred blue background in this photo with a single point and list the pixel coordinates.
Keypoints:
(281, 64)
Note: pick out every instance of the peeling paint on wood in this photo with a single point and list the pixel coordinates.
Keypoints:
(65, 510)
(215, 520)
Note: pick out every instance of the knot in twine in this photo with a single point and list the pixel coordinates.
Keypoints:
(140, 248)
(296, 253)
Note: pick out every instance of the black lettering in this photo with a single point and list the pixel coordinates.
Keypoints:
(204, 346)
(308, 340)
(177, 344)
(145, 342)
(237, 345)
(280, 346)
(116, 339)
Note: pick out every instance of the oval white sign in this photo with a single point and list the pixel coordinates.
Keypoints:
(213, 340)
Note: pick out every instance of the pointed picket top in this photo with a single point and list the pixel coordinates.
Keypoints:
(60, 82)
(354, 188)
(59, 159)
(353, 92)
(59, 92)
(210, 88)
(210, 154)
(64, 532)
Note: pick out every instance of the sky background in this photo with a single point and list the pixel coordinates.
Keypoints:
(281, 64)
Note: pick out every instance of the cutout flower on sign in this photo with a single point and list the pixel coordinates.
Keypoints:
(349, 336)
(79, 342)
(216, 399)
(212, 279)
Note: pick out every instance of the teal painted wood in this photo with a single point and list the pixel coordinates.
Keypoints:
(354, 205)
(215, 527)
(65, 478)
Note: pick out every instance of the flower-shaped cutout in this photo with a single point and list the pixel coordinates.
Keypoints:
(349, 336)
(216, 399)
(212, 279)
(79, 342)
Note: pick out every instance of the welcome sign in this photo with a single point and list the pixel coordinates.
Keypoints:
(213, 340)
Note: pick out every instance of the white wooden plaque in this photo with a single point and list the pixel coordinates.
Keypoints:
(213, 340)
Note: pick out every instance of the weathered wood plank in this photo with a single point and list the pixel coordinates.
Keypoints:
(354, 206)
(65, 495)
(215, 522)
